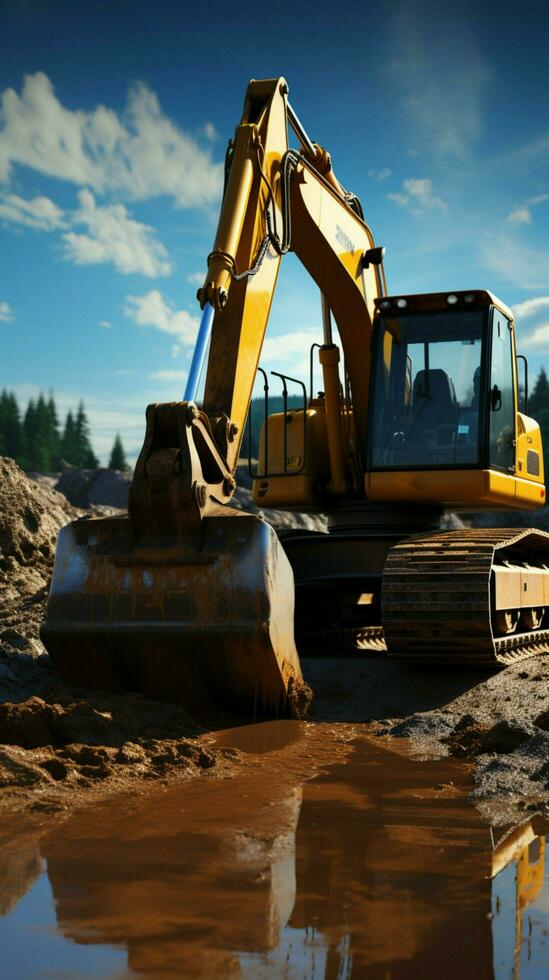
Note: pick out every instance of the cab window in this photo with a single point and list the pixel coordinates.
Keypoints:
(427, 382)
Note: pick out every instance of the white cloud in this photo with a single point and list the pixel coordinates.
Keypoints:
(539, 335)
(169, 375)
(196, 278)
(6, 312)
(398, 198)
(114, 237)
(517, 264)
(380, 174)
(176, 350)
(105, 324)
(286, 346)
(531, 306)
(417, 195)
(538, 338)
(210, 132)
(522, 215)
(40, 213)
(290, 353)
(152, 310)
(140, 153)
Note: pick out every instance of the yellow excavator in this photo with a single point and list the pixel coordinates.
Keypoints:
(189, 599)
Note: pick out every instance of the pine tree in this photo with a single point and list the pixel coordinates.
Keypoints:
(89, 459)
(30, 430)
(3, 451)
(69, 444)
(539, 399)
(54, 437)
(76, 448)
(42, 450)
(3, 406)
(86, 455)
(118, 459)
(10, 427)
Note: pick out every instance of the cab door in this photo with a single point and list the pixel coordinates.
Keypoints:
(501, 396)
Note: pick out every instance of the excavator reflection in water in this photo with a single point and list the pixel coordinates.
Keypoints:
(377, 867)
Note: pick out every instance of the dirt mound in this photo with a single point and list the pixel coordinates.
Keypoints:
(30, 518)
(99, 719)
(31, 515)
(104, 487)
(61, 747)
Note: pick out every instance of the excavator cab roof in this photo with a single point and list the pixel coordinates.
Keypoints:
(423, 302)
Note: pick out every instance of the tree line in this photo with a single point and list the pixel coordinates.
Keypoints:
(36, 441)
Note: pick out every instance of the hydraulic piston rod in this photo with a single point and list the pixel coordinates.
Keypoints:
(299, 131)
(201, 346)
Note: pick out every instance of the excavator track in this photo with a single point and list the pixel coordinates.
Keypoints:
(440, 592)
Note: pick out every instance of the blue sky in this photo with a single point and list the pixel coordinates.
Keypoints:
(113, 124)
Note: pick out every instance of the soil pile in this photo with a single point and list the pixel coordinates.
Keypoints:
(31, 515)
(103, 487)
(58, 742)
(59, 746)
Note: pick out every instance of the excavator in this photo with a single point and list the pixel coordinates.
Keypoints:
(189, 599)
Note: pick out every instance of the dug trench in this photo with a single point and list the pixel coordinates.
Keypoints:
(62, 746)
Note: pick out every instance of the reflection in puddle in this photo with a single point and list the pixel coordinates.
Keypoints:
(377, 867)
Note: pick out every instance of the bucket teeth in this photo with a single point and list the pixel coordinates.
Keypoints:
(208, 625)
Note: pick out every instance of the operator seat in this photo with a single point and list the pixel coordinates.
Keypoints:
(434, 405)
(434, 396)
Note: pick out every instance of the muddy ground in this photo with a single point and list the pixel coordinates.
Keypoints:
(61, 746)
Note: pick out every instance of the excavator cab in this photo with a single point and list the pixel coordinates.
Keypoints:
(445, 406)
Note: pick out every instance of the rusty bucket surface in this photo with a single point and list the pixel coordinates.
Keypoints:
(205, 624)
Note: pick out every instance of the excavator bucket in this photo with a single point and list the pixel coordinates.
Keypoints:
(208, 624)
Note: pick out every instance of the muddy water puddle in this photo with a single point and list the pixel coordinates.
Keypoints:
(328, 855)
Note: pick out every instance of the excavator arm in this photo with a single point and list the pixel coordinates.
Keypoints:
(276, 200)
